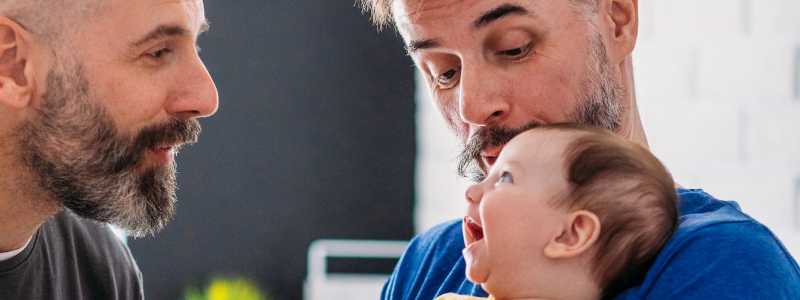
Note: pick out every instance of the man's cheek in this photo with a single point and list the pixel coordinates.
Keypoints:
(447, 108)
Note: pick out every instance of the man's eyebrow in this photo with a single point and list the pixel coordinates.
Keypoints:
(420, 45)
(166, 30)
(503, 10)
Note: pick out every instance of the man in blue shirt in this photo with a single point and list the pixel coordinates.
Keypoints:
(498, 67)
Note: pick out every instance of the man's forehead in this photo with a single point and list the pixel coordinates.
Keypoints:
(423, 22)
(421, 11)
(149, 14)
(194, 9)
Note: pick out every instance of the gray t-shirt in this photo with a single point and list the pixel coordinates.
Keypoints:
(71, 258)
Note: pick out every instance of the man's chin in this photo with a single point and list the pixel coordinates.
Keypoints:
(139, 223)
(140, 205)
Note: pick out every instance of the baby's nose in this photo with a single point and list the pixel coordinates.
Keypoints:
(474, 193)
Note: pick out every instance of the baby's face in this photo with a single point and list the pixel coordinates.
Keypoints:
(511, 216)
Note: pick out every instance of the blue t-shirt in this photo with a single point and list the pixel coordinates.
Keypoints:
(717, 252)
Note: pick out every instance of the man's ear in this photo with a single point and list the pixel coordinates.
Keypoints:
(620, 23)
(580, 233)
(15, 71)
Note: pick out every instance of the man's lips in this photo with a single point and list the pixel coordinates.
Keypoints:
(472, 231)
(165, 154)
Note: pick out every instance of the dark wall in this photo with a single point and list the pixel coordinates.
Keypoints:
(314, 138)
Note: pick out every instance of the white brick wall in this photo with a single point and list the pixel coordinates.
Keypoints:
(747, 68)
(718, 85)
(664, 70)
(681, 131)
(774, 17)
(697, 18)
(772, 134)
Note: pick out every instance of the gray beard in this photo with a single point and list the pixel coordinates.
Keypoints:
(74, 148)
(601, 106)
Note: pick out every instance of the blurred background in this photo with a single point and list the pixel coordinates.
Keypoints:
(322, 133)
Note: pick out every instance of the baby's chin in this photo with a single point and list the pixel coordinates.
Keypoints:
(476, 275)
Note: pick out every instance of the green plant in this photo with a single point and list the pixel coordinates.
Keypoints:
(221, 288)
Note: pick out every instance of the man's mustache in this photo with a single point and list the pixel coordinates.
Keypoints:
(178, 131)
(470, 163)
(173, 133)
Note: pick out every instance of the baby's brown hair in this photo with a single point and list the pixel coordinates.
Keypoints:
(631, 193)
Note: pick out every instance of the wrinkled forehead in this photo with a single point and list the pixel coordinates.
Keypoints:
(130, 19)
(191, 8)
(121, 29)
(425, 19)
(421, 12)
(413, 9)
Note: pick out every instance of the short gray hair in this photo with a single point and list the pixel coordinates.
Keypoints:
(381, 10)
(54, 21)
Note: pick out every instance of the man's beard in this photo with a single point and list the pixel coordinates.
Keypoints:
(601, 105)
(88, 166)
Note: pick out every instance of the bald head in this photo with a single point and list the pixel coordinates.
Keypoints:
(53, 21)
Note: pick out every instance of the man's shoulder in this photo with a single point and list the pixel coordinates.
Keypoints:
(719, 252)
(437, 247)
(699, 211)
(91, 237)
(709, 225)
(93, 254)
(720, 230)
(707, 220)
(443, 237)
(73, 258)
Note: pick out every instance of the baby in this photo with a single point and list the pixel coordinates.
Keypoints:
(568, 211)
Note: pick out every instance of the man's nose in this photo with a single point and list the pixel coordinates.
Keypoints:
(195, 93)
(480, 100)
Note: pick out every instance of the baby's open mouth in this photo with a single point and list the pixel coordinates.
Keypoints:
(473, 232)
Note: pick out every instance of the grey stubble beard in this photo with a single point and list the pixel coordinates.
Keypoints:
(74, 148)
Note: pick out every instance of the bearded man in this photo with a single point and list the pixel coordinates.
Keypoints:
(96, 97)
(498, 67)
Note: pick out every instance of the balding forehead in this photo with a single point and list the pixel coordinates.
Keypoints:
(51, 20)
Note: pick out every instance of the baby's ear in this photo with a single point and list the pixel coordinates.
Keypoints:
(578, 235)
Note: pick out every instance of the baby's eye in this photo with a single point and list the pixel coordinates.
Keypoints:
(506, 177)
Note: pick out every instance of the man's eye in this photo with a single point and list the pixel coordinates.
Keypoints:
(506, 177)
(160, 53)
(516, 53)
(449, 78)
